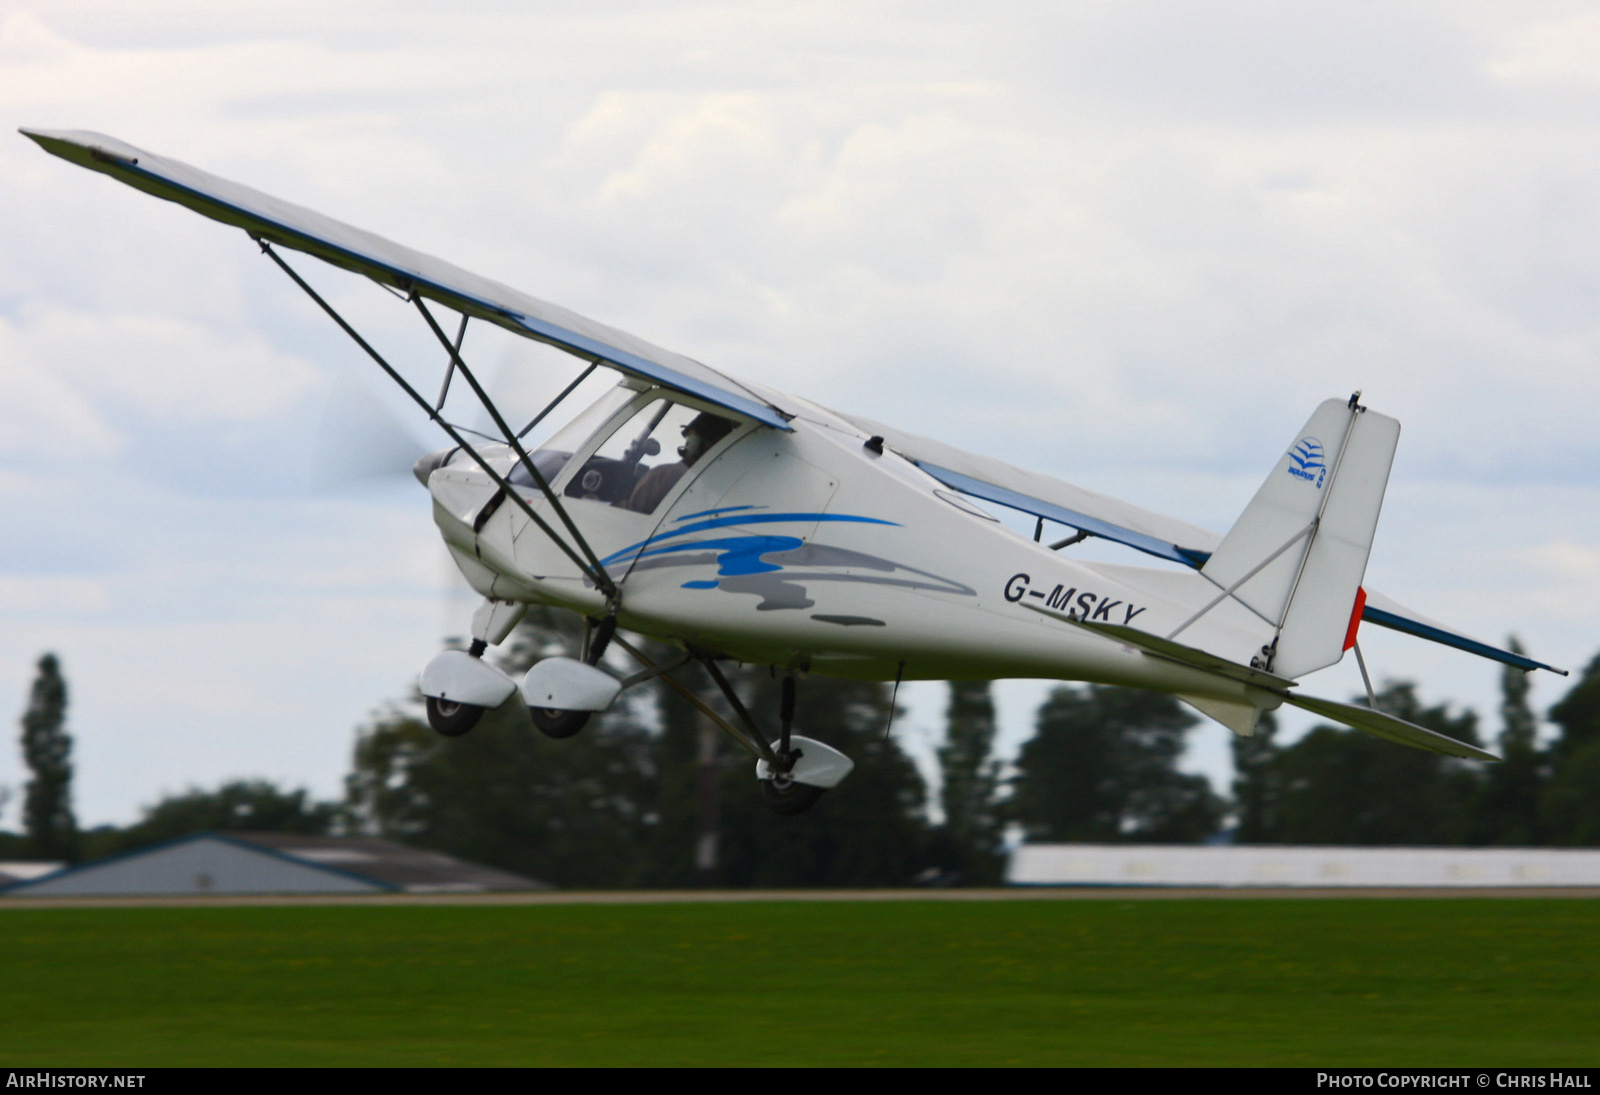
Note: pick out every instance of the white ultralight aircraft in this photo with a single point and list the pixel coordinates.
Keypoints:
(737, 522)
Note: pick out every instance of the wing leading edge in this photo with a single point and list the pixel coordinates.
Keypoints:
(392, 264)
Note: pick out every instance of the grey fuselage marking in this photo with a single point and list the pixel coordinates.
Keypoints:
(780, 589)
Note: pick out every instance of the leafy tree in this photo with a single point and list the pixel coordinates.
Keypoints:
(14, 846)
(1570, 807)
(1340, 786)
(968, 845)
(1103, 767)
(870, 832)
(47, 750)
(1257, 784)
(1578, 714)
(695, 762)
(575, 812)
(239, 806)
(1508, 809)
(1570, 804)
(1519, 726)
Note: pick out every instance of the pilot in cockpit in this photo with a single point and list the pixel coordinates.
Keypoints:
(702, 432)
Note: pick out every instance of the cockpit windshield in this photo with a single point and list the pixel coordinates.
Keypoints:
(553, 454)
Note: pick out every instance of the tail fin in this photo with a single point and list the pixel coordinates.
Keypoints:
(1298, 553)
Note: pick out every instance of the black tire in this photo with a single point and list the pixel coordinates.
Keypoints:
(452, 719)
(558, 724)
(789, 799)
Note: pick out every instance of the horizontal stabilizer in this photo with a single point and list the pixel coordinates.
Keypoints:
(389, 263)
(1384, 612)
(1389, 728)
(1177, 652)
(1364, 719)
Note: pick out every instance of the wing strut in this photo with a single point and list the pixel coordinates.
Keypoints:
(750, 741)
(512, 439)
(450, 370)
(597, 574)
(757, 742)
(557, 401)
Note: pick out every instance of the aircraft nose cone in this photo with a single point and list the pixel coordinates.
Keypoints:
(428, 464)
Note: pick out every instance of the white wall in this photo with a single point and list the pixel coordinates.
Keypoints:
(1281, 865)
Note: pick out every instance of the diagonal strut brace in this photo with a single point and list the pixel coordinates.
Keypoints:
(754, 744)
(511, 438)
(601, 579)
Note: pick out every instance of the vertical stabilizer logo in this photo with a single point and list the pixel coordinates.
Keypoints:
(1306, 462)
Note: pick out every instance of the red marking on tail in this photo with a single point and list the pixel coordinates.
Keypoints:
(1355, 618)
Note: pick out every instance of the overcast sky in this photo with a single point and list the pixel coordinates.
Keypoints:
(1131, 245)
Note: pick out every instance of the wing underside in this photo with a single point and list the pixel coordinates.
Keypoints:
(1050, 498)
(388, 263)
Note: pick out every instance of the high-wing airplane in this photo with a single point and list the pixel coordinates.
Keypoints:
(736, 522)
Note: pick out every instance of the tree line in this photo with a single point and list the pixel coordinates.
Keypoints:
(652, 794)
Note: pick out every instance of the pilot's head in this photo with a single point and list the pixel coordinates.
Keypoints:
(702, 432)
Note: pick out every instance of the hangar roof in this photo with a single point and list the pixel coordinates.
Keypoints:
(264, 863)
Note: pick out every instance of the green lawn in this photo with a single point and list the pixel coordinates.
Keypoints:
(1333, 982)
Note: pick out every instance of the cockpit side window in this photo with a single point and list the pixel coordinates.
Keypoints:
(644, 458)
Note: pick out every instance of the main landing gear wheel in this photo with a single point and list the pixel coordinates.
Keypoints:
(787, 798)
(558, 724)
(553, 722)
(453, 719)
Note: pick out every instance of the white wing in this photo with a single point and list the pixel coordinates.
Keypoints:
(389, 263)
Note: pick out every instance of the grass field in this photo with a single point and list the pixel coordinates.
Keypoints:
(1268, 982)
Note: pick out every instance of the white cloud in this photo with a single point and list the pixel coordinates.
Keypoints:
(1565, 559)
(165, 368)
(42, 414)
(1562, 50)
(51, 593)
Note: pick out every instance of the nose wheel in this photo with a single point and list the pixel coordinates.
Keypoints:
(786, 797)
(801, 769)
(782, 793)
(793, 771)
